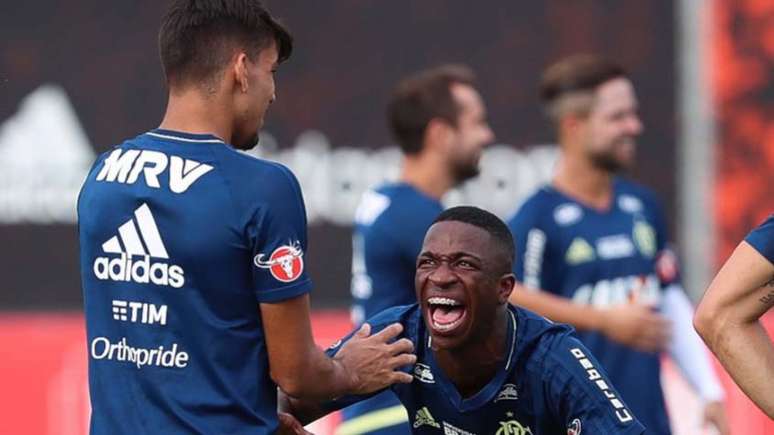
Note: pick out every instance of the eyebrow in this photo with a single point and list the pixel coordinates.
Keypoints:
(453, 255)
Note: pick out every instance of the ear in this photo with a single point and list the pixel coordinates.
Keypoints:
(241, 71)
(505, 287)
(437, 133)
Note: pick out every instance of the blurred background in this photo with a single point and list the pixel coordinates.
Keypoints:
(77, 78)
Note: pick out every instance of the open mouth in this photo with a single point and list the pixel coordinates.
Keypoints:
(445, 314)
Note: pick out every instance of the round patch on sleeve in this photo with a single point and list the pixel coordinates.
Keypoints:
(285, 263)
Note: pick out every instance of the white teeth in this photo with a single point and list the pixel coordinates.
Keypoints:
(443, 301)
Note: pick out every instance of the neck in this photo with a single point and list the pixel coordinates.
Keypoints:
(577, 177)
(427, 173)
(472, 366)
(190, 111)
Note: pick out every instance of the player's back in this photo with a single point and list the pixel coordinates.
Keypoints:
(169, 224)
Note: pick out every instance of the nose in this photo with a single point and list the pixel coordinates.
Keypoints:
(442, 276)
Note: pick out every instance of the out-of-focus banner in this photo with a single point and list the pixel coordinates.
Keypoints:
(742, 43)
(77, 78)
(45, 386)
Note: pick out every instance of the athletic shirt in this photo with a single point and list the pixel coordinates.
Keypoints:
(762, 239)
(181, 238)
(602, 258)
(390, 226)
(547, 384)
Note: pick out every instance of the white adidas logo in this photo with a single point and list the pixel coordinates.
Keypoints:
(143, 271)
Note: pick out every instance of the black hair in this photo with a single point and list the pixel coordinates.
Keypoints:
(198, 37)
(422, 97)
(487, 221)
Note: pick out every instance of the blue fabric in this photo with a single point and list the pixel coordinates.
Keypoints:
(390, 226)
(762, 239)
(603, 258)
(181, 238)
(547, 381)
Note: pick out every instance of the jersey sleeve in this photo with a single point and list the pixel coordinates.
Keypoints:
(762, 239)
(580, 392)
(278, 238)
(530, 241)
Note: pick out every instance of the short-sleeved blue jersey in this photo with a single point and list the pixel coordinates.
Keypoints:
(390, 226)
(762, 239)
(181, 237)
(548, 383)
(602, 258)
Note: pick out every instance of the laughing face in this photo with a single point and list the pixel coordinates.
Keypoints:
(461, 283)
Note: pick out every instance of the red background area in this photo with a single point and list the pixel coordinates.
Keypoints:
(45, 388)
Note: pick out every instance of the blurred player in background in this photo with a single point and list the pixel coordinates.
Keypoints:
(728, 317)
(593, 246)
(192, 253)
(439, 120)
(485, 366)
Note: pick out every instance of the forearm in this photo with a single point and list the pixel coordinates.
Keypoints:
(558, 309)
(687, 349)
(304, 410)
(746, 351)
(316, 377)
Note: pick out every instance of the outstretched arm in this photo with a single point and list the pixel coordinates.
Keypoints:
(631, 324)
(365, 364)
(728, 321)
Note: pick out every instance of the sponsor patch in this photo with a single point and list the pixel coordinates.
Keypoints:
(423, 417)
(574, 428)
(508, 392)
(645, 237)
(567, 214)
(422, 373)
(630, 204)
(613, 247)
(579, 252)
(286, 263)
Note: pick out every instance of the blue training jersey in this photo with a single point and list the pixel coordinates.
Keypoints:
(548, 383)
(602, 258)
(762, 239)
(390, 226)
(181, 238)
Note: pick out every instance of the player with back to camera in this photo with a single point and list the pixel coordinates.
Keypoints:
(483, 365)
(728, 317)
(192, 253)
(439, 120)
(595, 251)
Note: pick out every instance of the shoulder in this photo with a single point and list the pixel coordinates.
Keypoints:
(407, 315)
(399, 207)
(534, 208)
(257, 179)
(634, 197)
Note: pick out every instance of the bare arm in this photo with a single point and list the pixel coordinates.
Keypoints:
(305, 411)
(631, 324)
(365, 364)
(728, 320)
